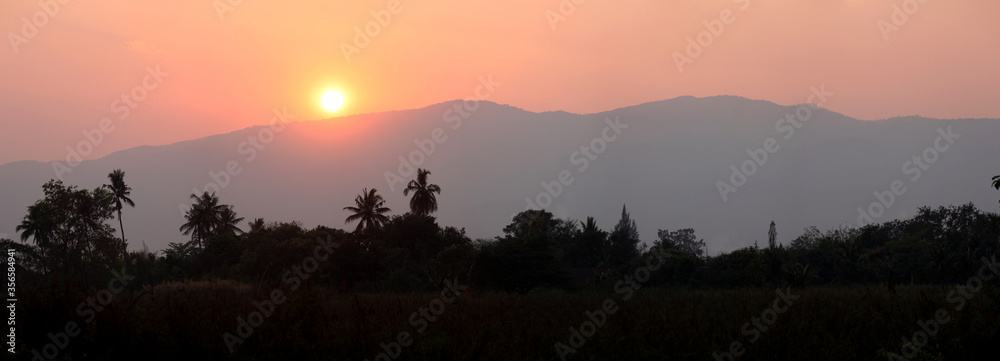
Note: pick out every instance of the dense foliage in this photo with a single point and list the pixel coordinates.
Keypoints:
(68, 250)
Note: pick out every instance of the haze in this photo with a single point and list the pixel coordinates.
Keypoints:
(523, 179)
(228, 68)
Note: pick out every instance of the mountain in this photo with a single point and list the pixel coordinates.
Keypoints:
(666, 165)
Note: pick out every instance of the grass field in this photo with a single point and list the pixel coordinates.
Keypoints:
(188, 320)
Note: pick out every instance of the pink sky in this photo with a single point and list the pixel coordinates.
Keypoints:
(229, 73)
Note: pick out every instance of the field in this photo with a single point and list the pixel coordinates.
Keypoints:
(189, 320)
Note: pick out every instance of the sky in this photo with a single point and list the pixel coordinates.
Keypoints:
(163, 72)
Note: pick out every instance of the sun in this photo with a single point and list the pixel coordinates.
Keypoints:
(332, 100)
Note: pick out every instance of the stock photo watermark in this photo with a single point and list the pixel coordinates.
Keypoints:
(123, 107)
(456, 116)
(757, 326)
(899, 16)
(714, 29)
(758, 156)
(291, 277)
(225, 6)
(551, 190)
(88, 309)
(564, 10)
(11, 299)
(421, 319)
(33, 24)
(958, 295)
(363, 35)
(594, 320)
(219, 180)
(915, 168)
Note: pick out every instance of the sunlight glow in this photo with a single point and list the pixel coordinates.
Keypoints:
(332, 100)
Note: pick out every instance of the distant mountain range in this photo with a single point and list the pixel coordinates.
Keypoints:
(677, 163)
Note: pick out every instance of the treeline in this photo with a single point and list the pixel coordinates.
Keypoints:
(67, 244)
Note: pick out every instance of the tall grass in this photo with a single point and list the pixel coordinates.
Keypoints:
(187, 320)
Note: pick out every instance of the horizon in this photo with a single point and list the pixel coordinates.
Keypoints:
(490, 181)
(187, 173)
(219, 67)
(343, 116)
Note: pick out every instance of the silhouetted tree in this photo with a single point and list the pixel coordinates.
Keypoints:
(202, 218)
(39, 224)
(417, 233)
(455, 261)
(228, 222)
(423, 201)
(69, 226)
(683, 240)
(589, 246)
(534, 222)
(772, 236)
(996, 182)
(121, 193)
(369, 209)
(528, 256)
(257, 225)
(624, 240)
(519, 264)
(742, 267)
(590, 226)
(773, 264)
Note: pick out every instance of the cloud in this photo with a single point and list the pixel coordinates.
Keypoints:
(142, 46)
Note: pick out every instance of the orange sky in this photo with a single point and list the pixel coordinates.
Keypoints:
(229, 73)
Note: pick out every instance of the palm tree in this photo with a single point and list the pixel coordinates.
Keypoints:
(257, 225)
(228, 222)
(203, 217)
(590, 226)
(423, 202)
(120, 191)
(591, 243)
(38, 224)
(996, 182)
(370, 210)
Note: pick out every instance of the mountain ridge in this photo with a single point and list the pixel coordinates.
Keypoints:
(558, 112)
(665, 167)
